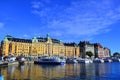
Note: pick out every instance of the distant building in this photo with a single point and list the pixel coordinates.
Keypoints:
(72, 50)
(95, 48)
(37, 46)
(101, 52)
(107, 52)
(85, 46)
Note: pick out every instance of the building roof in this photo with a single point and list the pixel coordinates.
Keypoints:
(40, 39)
(98, 45)
(56, 41)
(20, 40)
(70, 44)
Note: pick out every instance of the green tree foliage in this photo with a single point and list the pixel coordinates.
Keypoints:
(89, 53)
(116, 54)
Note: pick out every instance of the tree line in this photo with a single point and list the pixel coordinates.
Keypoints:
(116, 54)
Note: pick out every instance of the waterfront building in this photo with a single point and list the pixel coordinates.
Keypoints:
(96, 48)
(101, 52)
(86, 46)
(38, 46)
(107, 52)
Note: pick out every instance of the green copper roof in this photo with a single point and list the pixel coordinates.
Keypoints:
(34, 39)
(48, 36)
(5, 39)
(60, 41)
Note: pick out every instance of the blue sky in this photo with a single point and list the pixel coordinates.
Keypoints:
(67, 20)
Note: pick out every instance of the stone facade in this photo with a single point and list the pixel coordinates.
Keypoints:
(38, 46)
(85, 46)
(101, 51)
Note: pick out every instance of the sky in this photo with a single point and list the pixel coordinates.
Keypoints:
(96, 21)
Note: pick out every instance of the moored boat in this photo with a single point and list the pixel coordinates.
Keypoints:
(116, 60)
(51, 60)
(107, 60)
(97, 60)
(85, 61)
(71, 60)
(3, 64)
(21, 61)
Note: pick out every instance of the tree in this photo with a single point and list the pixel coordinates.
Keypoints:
(116, 54)
(89, 53)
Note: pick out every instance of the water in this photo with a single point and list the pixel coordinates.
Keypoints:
(99, 71)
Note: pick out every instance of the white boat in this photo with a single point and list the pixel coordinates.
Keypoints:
(52, 60)
(97, 60)
(22, 61)
(116, 60)
(71, 60)
(107, 60)
(85, 61)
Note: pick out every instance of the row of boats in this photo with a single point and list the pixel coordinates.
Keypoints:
(61, 60)
(55, 60)
(12, 60)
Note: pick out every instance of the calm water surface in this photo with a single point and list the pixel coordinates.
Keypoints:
(99, 71)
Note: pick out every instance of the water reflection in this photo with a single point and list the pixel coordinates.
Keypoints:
(21, 68)
(100, 71)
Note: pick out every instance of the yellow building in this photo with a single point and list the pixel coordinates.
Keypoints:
(38, 46)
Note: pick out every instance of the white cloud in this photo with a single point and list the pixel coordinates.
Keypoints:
(36, 5)
(1, 25)
(80, 18)
(26, 36)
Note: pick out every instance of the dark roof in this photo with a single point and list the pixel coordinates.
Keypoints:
(83, 43)
(98, 45)
(41, 39)
(19, 40)
(70, 44)
(56, 41)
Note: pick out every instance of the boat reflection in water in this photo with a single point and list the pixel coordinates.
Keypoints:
(1, 76)
(92, 71)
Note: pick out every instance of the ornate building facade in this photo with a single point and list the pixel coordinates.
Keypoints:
(38, 46)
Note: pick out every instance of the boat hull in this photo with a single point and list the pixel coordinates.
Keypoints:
(4, 64)
(21, 62)
(48, 63)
